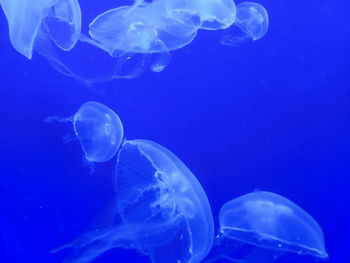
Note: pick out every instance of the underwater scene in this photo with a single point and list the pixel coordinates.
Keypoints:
(174, 131)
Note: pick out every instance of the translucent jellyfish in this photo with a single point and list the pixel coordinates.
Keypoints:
(161, 210)
(252, 22)
(158, 26)
(61, 20)
(141, 29)
(213, 14)
(137, 36)
(271, 224)
(98, 129)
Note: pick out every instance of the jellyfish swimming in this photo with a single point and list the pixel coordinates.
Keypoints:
(147, 28)
(98, 128)
(99, 131)
(162, 210)
(271, 224)
(251, 23)
(61, 20)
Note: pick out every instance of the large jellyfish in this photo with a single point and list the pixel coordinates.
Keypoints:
(60, 19)
(98, 129)
(162, 210)
(137, 36)
(271, 224)
(251, 23)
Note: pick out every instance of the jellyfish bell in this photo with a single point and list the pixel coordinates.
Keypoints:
(99, 131)
(61, 21)
(154, 185)
(273, 218)
(213, 15)
(218, 14)
(162, 210)
(140, 29)
(252, 22)
(270, 223)
(253, 19)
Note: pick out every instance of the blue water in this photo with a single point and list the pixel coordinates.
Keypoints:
(272, 115)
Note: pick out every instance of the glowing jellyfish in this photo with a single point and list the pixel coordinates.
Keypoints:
(163, 210)
(213, 14)
(158, 26)
(138, 30)
(98, 129)
(137, 36)
(270, 223)
(252, 22)
(61, 21)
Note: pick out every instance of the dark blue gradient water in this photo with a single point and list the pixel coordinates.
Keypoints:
(272, 115)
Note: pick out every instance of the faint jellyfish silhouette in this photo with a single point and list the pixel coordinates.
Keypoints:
(251, 23)
(61, 20)
(270, 225)
(159, 62)
(98, 129)
(160, 208)
(99, 66)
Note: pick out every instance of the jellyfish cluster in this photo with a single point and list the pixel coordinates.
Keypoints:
(162, 211)
(160, 208)
(137, 36)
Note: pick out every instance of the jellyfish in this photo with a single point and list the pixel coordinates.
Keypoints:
(98, 129)
(61, 21)
(158, 26)
(271, 225)
(161, 210)
(251, 23)
(213, 14)
(140, 29)
(137, 36)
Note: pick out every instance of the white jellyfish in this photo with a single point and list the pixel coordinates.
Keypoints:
(158, 26)
(271, 225)
(61, 20)
(137, 36)
(251, 23)
(213, 14)
(164, 212)
(99, 130)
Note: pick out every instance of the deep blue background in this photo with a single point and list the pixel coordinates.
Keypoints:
(270, 115)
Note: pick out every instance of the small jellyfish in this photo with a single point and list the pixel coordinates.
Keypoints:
(98, 129)
(60, 20)
(271, 224)
(252, 22)
(160, 208)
